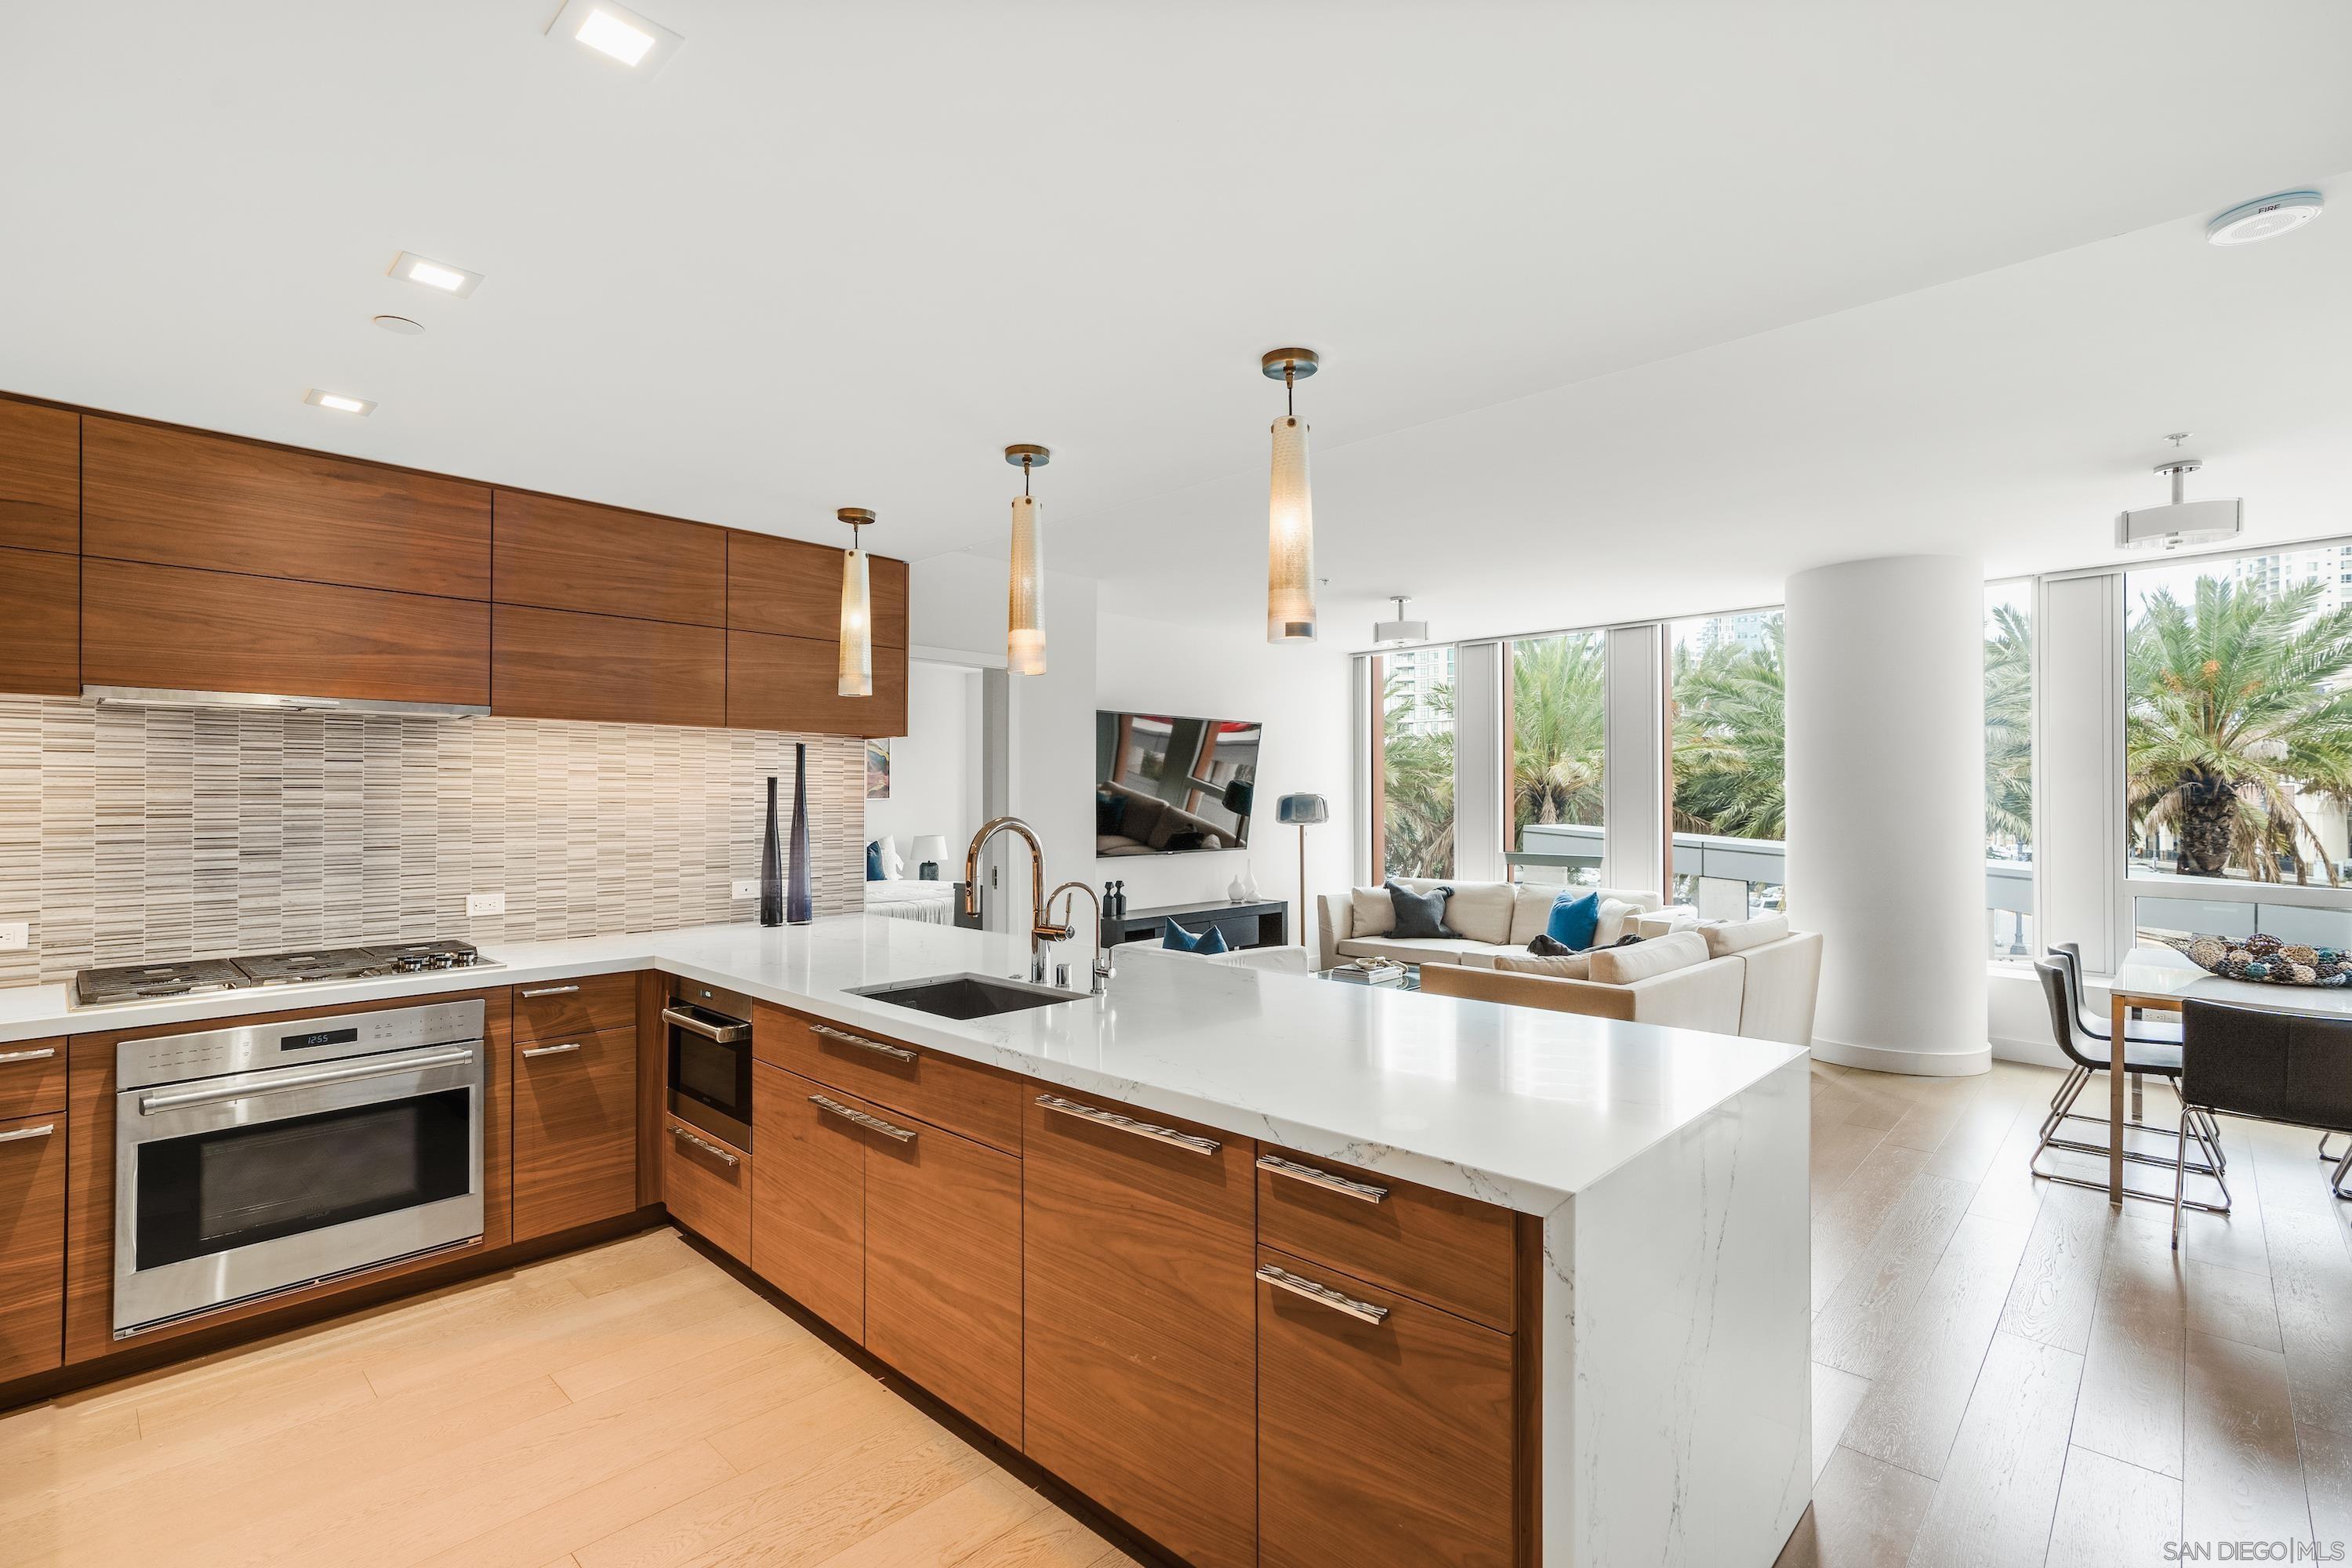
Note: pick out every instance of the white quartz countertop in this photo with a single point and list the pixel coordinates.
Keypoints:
(1512, 1105)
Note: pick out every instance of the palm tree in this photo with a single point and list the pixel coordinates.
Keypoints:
(1417, 788)
(1730, 739)
(1559, 693)
(2009, 727)
(2235, 710)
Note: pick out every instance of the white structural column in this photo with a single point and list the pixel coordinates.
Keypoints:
(1886, 790)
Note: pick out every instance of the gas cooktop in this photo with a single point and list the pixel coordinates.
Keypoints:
(197, 977)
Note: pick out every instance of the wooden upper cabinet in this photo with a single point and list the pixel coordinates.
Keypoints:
(790, 684)
(40, 478)
(179, 498)
(572, 555)
(560, 664)
(788, 587)
(219, 631)
(40, 610)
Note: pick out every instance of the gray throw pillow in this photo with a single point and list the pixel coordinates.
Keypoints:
(1420, 914)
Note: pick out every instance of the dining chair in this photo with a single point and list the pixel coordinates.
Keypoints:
(2269, 1065)
(2150, 1031)
(2089, 1059)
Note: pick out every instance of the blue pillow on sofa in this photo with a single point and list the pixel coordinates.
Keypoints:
(874, 861)
(1173, 935)
(1575, 917)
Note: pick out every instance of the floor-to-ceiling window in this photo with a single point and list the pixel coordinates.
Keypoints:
(1416, 756)
(2009, 767)
(1556, 737)
(1730, 815)
(2237, 747)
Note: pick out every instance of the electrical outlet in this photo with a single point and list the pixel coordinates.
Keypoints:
(486, 903)
(16, 936)
(747, 887)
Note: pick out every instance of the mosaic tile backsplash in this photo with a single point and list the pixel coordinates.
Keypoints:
(136, 834)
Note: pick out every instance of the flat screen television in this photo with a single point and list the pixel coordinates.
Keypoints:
(1168, 784)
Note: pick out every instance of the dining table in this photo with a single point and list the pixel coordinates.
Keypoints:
(2157, 979)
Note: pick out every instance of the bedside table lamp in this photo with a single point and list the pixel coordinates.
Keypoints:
(930, 853)
(1305, 811)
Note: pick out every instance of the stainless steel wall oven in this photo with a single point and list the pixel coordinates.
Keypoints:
(256, 1160)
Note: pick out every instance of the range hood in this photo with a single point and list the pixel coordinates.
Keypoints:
(158, 696)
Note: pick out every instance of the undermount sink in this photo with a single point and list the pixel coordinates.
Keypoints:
(966, 995)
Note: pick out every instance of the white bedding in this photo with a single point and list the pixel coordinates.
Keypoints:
(902, 901)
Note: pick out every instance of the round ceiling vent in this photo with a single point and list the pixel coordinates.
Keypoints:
(2264, 219)
(401, 324)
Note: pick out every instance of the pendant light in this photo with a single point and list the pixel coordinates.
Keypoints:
(1024, 609)
(1290, 509)
(856, 610)
(1400, 630)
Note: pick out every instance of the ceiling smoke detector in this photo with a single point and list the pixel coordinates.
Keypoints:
(2249, 222)
(2182, 521)
(1400, 630)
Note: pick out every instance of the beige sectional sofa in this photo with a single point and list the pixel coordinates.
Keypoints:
(1756, 978)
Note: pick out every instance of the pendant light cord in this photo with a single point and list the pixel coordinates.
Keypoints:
(1289, 390)
(1024, 475)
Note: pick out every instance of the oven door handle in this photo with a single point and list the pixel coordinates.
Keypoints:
(151, 1104)
(725, 1035)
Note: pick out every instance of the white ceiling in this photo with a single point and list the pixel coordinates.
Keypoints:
(1626, 309)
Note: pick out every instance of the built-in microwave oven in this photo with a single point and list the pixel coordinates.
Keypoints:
(711, 1059)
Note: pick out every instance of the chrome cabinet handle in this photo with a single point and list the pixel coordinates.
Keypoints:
(551, 990)
(724, 1034)
(871, 1123)
(552, 1050)
(1185, 1140)
(1322, 1295)
(713, 1150)
(150, 1104)
(41, 1055)
(900, 1053)
(1325, 1179)
(41, 1131)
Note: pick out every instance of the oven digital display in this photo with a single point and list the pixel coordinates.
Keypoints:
(323, 1037)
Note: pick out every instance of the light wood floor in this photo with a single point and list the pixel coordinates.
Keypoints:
(633, 1405)
(2006, 1373)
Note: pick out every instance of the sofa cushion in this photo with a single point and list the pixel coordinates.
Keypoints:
(1420, 914)
(1616, 921)
(1574, 916)
(1531, 910)
(1370, 912)
(1416, 949)
(1564, 966)
(1660, 956)
(1739, 936)
(1481, 910)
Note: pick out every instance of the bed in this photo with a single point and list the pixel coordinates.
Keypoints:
(930, 902)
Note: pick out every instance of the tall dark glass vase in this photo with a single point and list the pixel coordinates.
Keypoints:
(771, 867)
(800, 904)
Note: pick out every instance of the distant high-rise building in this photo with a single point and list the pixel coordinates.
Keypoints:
(1420, 686)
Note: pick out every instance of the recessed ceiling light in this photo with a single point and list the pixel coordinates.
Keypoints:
(2264, 219)
(402, 325)
(436, 275)
(616, 33)
(338, 402)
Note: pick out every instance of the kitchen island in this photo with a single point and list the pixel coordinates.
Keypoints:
(1664, 1414)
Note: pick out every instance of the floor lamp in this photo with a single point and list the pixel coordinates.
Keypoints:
(1304, 811)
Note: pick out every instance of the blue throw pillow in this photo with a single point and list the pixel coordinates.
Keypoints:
(1574, 917)
(874, 861)
(1173, 935)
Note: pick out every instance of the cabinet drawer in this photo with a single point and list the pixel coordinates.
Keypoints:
(1451, 1251)
(1387, 1442)
(580, 1007)
(1139, 1361)
(32, 1078)
(923, 1083)
(943, 1269)
(808, 1198)
(32, 1245)
(575, 1131)
(706, 1183)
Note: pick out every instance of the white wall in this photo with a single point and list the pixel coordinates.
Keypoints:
(931, 768)
(1301, 695)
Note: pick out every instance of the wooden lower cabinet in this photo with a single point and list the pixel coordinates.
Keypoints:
(808, 1198)
(575, 1131)
(1379, 1444)
(706, 1184)
(32, 1245)
(943, 1269)
(1140, 1325)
